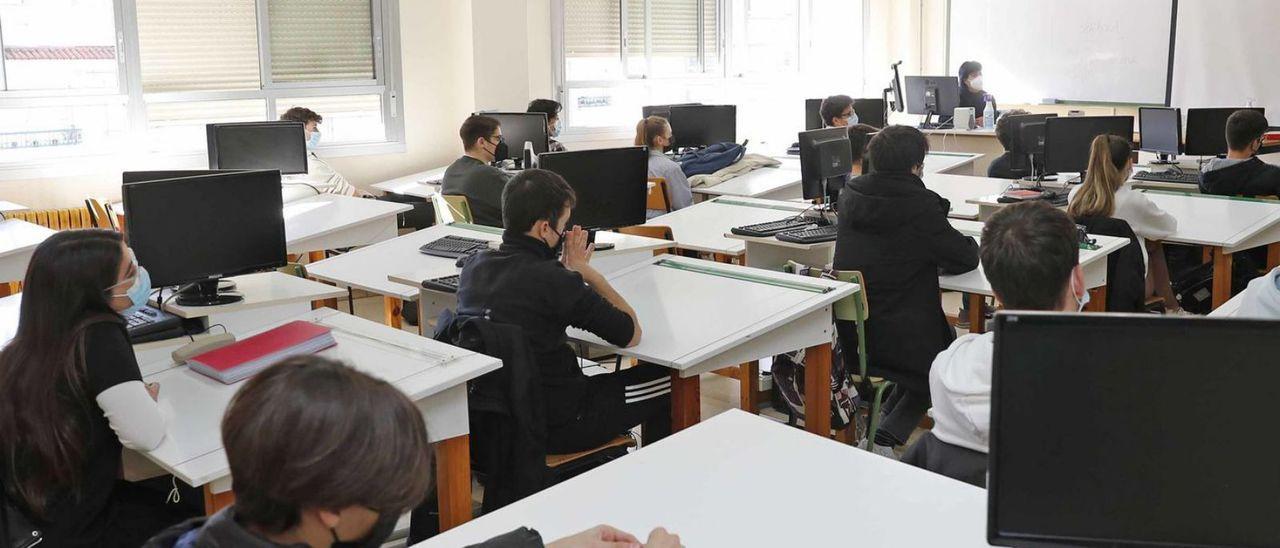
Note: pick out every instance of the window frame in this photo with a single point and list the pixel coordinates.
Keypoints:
(387, 84)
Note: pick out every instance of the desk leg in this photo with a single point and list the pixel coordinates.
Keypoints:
(1097, 300)
(1273, 256)
(686, 401)
(749, 386)
(977, 320)
(453, 481)
(817, 390)
(213, 502)
(391, 308)
(1222, 276)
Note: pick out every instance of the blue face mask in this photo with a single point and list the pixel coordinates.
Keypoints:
(555, 130)
(139, 292)
(314, 141)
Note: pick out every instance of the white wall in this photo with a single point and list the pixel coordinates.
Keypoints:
(511, 41)
(439, 83)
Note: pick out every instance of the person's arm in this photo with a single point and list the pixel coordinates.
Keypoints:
(129, 406)
(594, 318)
(954, 252)
(1157, 224)
(678, 188)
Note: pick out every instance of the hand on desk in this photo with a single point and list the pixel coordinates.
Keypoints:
(604, 536)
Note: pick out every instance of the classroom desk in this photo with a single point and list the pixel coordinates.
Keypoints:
(702, 226)
(783, 182)
(978, 141)
(692, 483)
(268, 297)
(330, 221)
(6, 206)
(699, 316)
(960, 190)
(18, 240)
(369, 268)
(422, 184)
(432, 374)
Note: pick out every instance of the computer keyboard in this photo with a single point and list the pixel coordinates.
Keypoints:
(149, 324)
(454, 247)
(764, 230)
(445, 284)
(810, 235)
(1181, 177)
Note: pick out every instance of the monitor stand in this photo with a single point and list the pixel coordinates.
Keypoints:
(928, 122)
(205, 294)
(1164, 160)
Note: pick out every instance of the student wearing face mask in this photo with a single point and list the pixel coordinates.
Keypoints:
(895, 231)
(837, 111)
(552, 110)
(71, 397)
(473, 176)
(972, 92)
(541, 279)
(655, 133)
(355, 458)
(1241, 172)
(320, 177)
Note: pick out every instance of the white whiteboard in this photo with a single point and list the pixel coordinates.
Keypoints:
(1114, 51)
(1226, 55)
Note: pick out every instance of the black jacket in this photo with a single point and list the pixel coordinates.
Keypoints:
(895, 231)
(1252, 177)
(482, 185)
(1126, 273)
(1006, 166)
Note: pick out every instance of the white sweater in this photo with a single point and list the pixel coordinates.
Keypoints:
(1262, 298)
(1147, 220)
(960, 385)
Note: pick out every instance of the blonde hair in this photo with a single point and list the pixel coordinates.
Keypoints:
(649, 129)
(1108, 154)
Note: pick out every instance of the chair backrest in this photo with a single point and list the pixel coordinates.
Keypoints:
(451, 209)
(1126, 272)
(652, 231)
(659, 198)
(56, 219)
(853, 308)
(100, 216)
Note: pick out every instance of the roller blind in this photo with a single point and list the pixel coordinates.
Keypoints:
(198, 45)
(670, 28)
(318, 40)
(592, 28)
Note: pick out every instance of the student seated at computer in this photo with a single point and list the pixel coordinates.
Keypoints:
(655, 133)
(552, 110)
(541, 279)
(1002, 166)
(71, 397)
(324, 455)
(472, 176)
(859, 137)
(895, 231)
(320, 177)
(972, 92)
(837, 111)
(1105, 194)
(1241, 172)
(1030, 255)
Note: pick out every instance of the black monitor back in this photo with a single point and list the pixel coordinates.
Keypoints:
(942, 92)
(1207, 130)
(1160, 130)
(703, 125)
(871, 112)
(141, 176)
(813, 114)
(257, 145)
(518, 127)
(204, 227)
(612, 184)
(1018, 124)
(1133, 430)
(824, 153)
(662, 110)
(1067, 139)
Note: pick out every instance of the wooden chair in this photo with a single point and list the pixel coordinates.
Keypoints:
(100, 216)
(653, 231)
(559, 463)
(659, 198)
(451, 209)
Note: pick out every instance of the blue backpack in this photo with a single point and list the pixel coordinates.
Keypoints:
(711, 159)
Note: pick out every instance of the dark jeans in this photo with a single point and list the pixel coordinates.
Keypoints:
(902, 413)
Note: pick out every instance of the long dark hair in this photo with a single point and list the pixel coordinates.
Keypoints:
(43, 400)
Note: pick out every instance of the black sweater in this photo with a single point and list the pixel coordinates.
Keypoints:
(1252, 177)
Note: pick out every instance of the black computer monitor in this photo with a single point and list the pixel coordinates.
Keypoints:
(257, 145)
(1207, 130)
(825, 154)
(930, 95)
(1067, 139)
(1133, 430)
(1017, 125)
(611, 184)
(813, 115)
(871, 111)
(521, 127)
(142, 176)
(1160, 131)
(195, 230)
(662, 110)
(703, 125)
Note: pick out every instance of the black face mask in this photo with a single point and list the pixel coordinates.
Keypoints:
(500, 151)
(378, 535)
(559, 247)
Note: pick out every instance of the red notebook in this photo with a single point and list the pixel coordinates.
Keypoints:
(236, 362)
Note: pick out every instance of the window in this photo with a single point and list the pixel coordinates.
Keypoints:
(84, 77)
(766, 56)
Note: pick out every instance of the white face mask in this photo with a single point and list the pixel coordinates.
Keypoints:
(1081, 301)
(976, 83)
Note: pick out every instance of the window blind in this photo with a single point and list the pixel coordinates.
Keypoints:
(198, 45)
(592, 28)
(319, 40)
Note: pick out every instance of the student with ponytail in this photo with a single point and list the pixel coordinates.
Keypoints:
(1105, 194)
(655, 133)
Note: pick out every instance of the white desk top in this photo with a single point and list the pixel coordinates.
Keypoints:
(975, 281)
(193, 404)
(326, 214)
(756, 183)
(702, 226)
(18, 236)
(1233, 223)
(10, 310)
(422, 184)
(958, 189)
(690, 317)
(260, 290)
(944, 162)
(6, 206)
(696, 483)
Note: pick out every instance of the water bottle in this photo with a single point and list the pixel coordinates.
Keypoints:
(988, 116)
(528, 158)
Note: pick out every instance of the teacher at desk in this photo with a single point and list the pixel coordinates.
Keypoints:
(972, 94)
